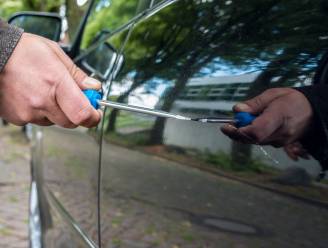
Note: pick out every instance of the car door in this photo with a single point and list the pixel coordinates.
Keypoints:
(173, 183)
(68, 169)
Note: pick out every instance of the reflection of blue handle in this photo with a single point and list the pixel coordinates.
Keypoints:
(93, 96)
(243, 119)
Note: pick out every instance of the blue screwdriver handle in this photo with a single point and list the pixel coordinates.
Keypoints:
(93, 96)
(244, 119)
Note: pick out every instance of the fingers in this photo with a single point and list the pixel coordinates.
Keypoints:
(290, 153)
(79, 76)
(296, 150)
(257, 104)
(57, 116)
(233, 133)
(264, 126)
(74, 104)
(90, 83)
(230, 131)
(261, 129)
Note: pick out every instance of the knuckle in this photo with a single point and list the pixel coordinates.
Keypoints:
(54, 77)
(37, 102)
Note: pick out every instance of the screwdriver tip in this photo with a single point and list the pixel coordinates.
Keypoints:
(199, 119)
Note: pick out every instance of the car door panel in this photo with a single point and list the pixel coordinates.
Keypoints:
(171, 183)
(70, 176)
(67, 161)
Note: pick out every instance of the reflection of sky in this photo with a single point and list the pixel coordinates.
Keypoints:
(103, 4)
(219, 68)
(81, 2)
(151, 91)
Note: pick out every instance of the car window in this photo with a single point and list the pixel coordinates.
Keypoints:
(171, 183)
(154, 2)
(74, 10)
(110, 15)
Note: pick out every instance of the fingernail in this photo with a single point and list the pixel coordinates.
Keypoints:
(91, 83)
(242, 107)
(231, 127)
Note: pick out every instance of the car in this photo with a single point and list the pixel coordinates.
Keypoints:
(139, 180)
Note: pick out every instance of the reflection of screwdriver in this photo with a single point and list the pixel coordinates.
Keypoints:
(240, 119)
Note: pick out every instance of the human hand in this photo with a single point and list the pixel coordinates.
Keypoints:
(295, 151)
(41, 85)
(285, 116)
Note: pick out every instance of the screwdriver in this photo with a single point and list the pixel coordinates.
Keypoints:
(240, 119)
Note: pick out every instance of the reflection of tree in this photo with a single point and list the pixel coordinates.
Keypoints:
(202, 51)
(278, 38)
(10, 7)
(108, 15)
(164, 43)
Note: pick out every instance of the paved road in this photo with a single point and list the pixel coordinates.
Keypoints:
(14, 188)
(148, 201)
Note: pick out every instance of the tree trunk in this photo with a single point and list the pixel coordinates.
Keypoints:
(157, 131)
(114, 114)
(241, 154)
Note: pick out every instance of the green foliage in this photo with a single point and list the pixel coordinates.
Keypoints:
(8, 8)
(42, 5)
(108, 17)
(225, 161)
(129, 140)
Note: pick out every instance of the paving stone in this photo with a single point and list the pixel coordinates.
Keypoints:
(14, 188)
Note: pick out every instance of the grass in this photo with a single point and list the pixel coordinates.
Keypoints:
(224, 161)
(219, 160)
(126, 119)
(129, 140)
(117, 242)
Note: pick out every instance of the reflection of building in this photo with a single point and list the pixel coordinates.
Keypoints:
(215, 96)
(214, 93)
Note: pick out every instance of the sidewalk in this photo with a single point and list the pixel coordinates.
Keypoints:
(14, 187)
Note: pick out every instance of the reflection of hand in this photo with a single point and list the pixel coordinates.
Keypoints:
(295, 150)
(40, 84)
(284, 116)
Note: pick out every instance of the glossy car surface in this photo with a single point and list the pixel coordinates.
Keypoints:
(141, 181)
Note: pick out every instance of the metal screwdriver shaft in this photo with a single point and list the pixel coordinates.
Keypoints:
(240, 119)
(141, 110)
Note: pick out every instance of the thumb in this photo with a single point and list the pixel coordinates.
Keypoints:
(257, 104)
(74, 104)
(79, 76)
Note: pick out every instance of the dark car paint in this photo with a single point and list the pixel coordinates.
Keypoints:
(160, 187)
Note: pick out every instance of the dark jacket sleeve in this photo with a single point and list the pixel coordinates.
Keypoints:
(9, 37)
(316, 140)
